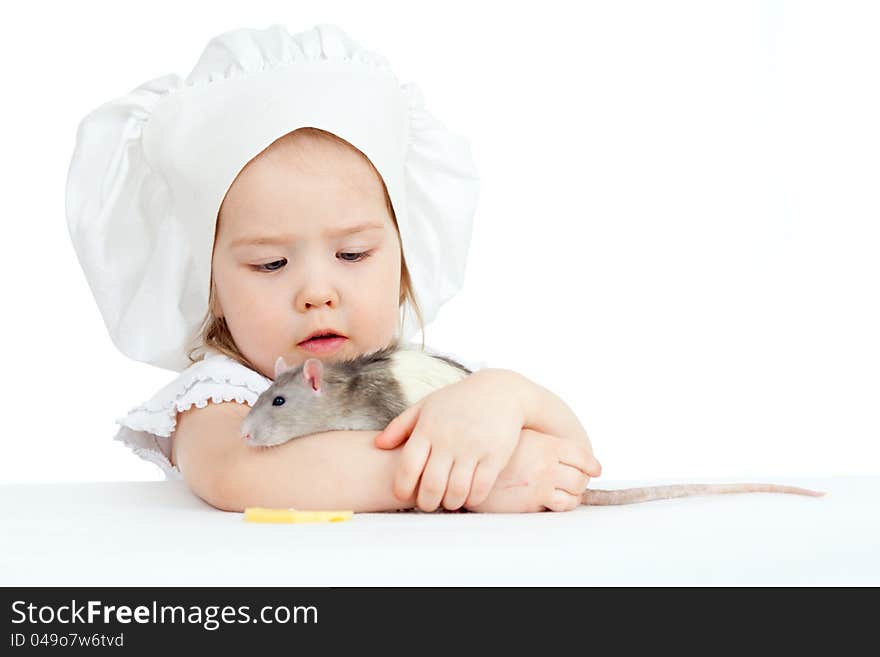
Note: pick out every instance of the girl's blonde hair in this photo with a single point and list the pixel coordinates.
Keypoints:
(214, 332)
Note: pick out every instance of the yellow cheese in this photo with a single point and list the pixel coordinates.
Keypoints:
(260, 514)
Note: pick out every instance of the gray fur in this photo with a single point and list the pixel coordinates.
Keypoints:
(359, 394)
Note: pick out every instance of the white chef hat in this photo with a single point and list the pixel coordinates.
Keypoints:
(151, 168)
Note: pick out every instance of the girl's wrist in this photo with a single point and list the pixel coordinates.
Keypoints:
(543, 411)
(521, 389)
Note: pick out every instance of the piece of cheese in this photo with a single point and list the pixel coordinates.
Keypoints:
(261, 514)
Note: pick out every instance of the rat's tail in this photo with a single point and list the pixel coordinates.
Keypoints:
(650, 493)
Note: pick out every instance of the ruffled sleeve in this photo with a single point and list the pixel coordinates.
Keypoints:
(147, 429)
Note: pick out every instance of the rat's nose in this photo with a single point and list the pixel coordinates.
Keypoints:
(247, 437)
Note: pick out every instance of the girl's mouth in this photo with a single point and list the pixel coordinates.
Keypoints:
(323, 344)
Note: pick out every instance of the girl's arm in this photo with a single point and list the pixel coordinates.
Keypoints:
(543, 410)
(340, 470)
(332, 470)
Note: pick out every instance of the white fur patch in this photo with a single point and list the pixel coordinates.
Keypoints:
(419, 373)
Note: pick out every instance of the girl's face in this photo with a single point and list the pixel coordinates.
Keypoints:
(305, 242)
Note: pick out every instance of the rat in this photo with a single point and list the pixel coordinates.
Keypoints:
(366, 392)
(363, 393)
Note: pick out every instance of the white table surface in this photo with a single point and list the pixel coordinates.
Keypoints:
(159, 533)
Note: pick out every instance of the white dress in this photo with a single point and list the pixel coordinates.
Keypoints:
(147, 429)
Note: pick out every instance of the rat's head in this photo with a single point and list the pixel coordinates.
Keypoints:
(295, 404)
(306, 242)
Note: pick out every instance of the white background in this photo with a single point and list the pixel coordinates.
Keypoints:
(677, 229)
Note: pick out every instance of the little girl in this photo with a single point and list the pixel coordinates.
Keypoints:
(291, 198)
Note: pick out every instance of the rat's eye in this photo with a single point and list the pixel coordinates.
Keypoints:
(278, 401)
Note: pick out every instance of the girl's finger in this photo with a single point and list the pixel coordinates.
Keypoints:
(561, 500)
(460, 480)
(399, 429)
(570, 479)
(413, 458)
(577, 456)
(435, 477)
(484, 478)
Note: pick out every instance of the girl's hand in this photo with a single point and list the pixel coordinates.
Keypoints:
(544, 473)
(460, 437)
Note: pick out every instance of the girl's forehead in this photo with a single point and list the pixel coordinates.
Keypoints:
(272, 194)
(326, 164)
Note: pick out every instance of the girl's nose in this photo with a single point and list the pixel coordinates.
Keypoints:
(316, 291)
(317, 297)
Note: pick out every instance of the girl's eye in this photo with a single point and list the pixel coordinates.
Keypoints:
(345, 256)
(357, 256)
(268, 265)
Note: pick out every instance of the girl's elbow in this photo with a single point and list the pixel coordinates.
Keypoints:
(226, 493)
(220, 487)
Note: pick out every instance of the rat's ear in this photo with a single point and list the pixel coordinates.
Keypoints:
(313, 374)
(281, 366)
